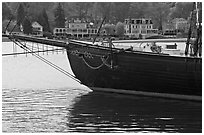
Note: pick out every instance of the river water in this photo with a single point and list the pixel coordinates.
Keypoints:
(37, 98)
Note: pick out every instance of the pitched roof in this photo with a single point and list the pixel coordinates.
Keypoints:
(178, 19)
(36, 24)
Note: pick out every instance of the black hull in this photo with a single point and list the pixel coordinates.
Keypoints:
(135, 71)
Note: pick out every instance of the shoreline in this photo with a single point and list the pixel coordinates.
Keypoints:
(5, 39)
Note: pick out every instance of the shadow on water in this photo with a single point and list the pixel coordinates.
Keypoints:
(102, 112)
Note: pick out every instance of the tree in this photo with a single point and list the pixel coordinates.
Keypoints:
(10, 27)
(159, 12)
(106, 10)
(20, 14)
(110, 29)
(27, 26)
(138, 9)
(120, 11)
(120, 30)
(59, 16)
(6, 12)
(82, 8)
(182, 10)
(96, 14)
(43, 20)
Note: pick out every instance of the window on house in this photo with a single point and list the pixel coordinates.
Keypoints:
(132, 21)
(143, 31)
(84, 30)
(143, 26)
(137, 21)
(140, 21)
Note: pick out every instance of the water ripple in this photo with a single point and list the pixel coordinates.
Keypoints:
(66, 110)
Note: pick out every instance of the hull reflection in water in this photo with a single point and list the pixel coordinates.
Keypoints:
(102, 112)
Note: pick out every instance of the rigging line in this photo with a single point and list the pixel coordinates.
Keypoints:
(6, 54)
(42, 47)
(48, 62)
(17, 23)
(7, 25)
(99, 29)
(51, 64)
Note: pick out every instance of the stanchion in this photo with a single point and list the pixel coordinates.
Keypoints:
(26, 50)
(13, 49)
(47, 49)
(43, 49)
(32, 47)
(38, 48)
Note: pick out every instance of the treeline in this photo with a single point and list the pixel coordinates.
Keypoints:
(53, 14)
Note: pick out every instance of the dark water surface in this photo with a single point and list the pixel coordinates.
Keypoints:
(78, 110)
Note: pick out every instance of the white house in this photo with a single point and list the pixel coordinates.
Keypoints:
(59, 31)
(180, 24)
(141, 27)
(80, 28)
(76, 27)
(37, 29)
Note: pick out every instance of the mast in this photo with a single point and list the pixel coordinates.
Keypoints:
(196, 29)
(198, 42)
(99, 29)
(189, 31)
